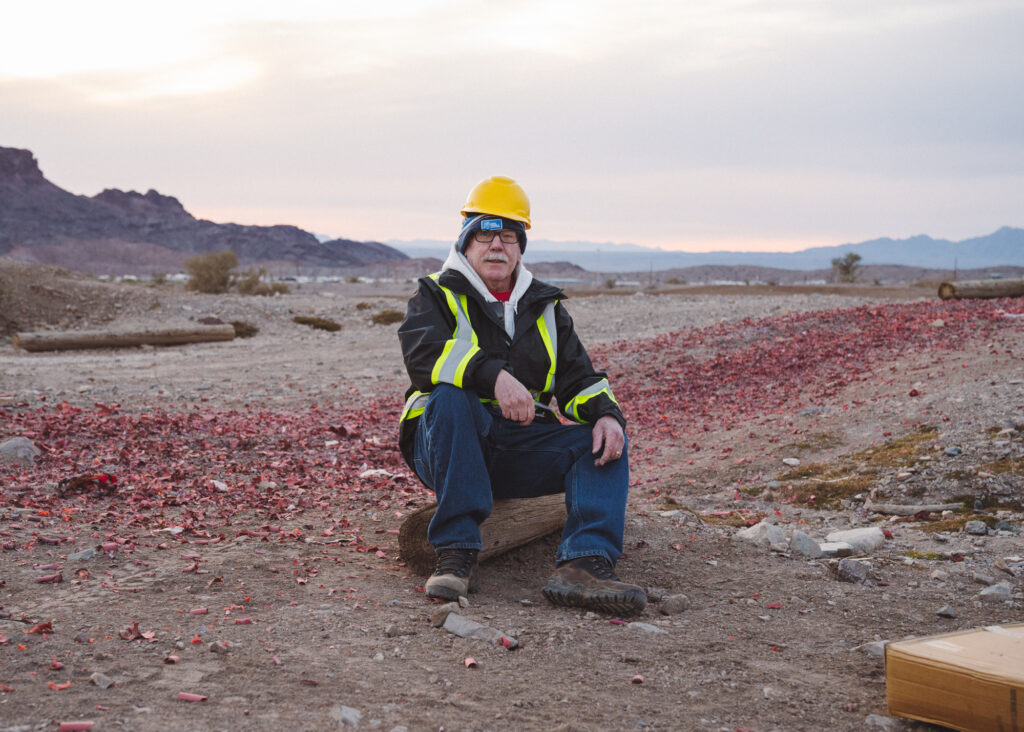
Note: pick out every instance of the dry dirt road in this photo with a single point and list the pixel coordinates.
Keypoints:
(244, 550)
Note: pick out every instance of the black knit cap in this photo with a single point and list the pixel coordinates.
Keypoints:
(474, 223)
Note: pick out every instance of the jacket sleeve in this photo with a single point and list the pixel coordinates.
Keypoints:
(583, 394)
(437, 350)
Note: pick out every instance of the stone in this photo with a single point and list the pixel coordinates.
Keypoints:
(391, 630)
(346, 716)
(675, 604)
(220, 648)
(877, 721)
(18, 450)
(101, 680)
(999, 592)
(940, 575)
(952, 451)
(850, 570)
(946, 611)
(440, 613)
(805, 545)
(976, 528)
(835, 549)
(655, 594)
(764, 534)
(466, 628)
(82, 556)
(791, 461)
(647, 628)
(1007, 527)
(983, 579)
(862, 540)
(875, 649)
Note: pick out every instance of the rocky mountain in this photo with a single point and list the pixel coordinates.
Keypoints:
(120, 232)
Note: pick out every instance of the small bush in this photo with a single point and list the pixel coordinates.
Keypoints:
(319, 323)
(363, 306)
(251, 282)
(279, 288)
(211, 272)
(353, 279)
(609, 283)
(387, 317)
(158, 278)
(243, 329)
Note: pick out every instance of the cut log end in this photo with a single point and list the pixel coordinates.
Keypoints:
(72, 340)
(981, 289)
(513, 522)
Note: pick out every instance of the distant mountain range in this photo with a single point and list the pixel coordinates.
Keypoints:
(1004, 247)
(125, 232)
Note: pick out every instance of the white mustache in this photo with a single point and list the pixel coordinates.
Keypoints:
(496, 257)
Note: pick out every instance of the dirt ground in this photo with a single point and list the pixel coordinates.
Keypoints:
(245, 551)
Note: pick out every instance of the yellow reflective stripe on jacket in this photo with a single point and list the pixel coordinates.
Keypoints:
(450, 367)
(600, 387)
(414, 405)
(546, 326)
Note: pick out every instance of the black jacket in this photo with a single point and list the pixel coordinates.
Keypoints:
(429, 325)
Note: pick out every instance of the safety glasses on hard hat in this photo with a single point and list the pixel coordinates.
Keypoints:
(507, 237)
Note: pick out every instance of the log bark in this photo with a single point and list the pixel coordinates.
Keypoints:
(981, 289)
(70, 340)
(513, 522)
(896, 509)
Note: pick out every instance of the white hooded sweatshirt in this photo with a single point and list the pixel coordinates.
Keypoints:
(457, 261)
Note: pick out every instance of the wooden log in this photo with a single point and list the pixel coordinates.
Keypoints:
(981, 289)
(68, 340)
(513, 522)
(897, 509)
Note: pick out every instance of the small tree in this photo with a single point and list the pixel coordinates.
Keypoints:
(845, 268)
(211, 272)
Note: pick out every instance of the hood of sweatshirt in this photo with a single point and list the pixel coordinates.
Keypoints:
(523, 277)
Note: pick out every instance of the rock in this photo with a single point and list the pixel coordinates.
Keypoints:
(791, 462)
(835, 549)
(940, 575)
(938, 323)
(983, 579)
(675, 604)
(18, 450)
(101, 680)
(946, 611)
(647, 628)
(466, 628)
(82, 556)
(764, 534)
(220, 648)
(976, 528)
(877, 721)
(952, 451)
(999, 592)
(850, 570)
(440, 613)
(805, 545)
(655, 594)
(1007, 527)
(862, 540)
(346, 716)
(875, 649)
(391, 630)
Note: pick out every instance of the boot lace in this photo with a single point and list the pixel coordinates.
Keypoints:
(458, 562)
(598, 567)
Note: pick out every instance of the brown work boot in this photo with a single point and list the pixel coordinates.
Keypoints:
(455, 575)
(590, 582)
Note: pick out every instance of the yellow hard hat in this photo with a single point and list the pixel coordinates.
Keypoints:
(499, 196)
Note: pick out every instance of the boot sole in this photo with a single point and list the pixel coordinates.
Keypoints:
(443, 592)
(559, 592)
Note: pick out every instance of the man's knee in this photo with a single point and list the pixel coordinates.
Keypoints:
(449, 403)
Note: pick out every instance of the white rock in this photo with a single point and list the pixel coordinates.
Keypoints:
(999, 592)
(764, 534)
(862, 540)
(804, 544)
(791, 462)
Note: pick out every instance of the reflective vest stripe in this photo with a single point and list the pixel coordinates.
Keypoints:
(450, 367)
(414, 405)
(600, 387)
(546, 326)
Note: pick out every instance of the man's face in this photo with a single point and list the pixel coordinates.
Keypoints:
(495, 261)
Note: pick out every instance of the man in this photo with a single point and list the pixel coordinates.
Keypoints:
(487, 347)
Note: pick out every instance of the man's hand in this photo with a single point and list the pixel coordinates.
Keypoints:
(515, 400)
(607, 435)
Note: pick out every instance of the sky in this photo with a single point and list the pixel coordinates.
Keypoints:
(699, 125)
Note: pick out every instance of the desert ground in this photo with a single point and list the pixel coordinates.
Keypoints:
(205, 536)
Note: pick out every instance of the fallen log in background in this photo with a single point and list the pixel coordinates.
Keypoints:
(981, 289)
(513, 522)
(897, 509)
(58, 340)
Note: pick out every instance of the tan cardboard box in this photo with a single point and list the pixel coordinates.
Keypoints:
(969, 680)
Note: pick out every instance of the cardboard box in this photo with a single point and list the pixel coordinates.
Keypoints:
(969, 680)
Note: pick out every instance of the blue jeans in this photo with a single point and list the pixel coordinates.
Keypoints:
(469, 455)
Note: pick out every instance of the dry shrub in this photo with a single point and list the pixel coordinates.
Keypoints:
(243, 329)
(387, 317)
(211, 272)
(363, 306)
(319, 323)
